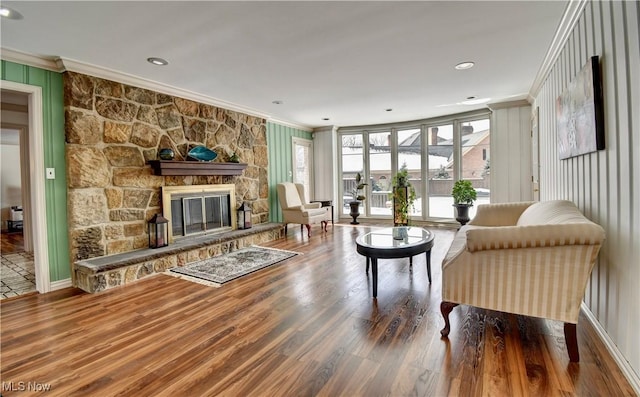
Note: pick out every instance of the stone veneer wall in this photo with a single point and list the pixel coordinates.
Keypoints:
(113, 129)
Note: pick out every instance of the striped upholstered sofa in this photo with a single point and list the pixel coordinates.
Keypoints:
(528, 258)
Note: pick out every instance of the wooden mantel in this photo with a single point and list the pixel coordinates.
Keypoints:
(171, 167)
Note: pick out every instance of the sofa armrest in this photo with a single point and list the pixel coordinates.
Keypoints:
(499, 214)
(508, 237)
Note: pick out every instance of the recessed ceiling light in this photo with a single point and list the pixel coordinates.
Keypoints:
(8, 13)
(277, 102)
(464, 65)
(157, 61)
(326, 119)
(389, 110)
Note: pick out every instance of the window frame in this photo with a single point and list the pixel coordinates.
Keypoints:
(456, 120)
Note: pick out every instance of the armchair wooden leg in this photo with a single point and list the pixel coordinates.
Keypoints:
(308, 230)
(571, 338)
(445, 309)
(324, 225)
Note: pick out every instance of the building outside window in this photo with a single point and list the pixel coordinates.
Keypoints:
(436, 153)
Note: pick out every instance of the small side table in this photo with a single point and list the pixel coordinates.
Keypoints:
(14, 226)
(325, 203)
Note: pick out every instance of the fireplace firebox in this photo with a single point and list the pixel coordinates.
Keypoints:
(199, 209)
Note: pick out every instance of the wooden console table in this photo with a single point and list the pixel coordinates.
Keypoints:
(325, 203)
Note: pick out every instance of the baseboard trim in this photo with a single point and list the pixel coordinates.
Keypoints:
(617, 355)
(60, 284)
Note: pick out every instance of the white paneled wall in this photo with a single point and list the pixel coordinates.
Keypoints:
(511, 152)
(325, 164)
(605, 184)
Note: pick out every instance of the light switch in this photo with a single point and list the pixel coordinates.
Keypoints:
(51, 173)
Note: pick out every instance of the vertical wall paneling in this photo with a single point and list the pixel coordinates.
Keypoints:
(54, 138)
(632, 15)
(603, 184)
(280, 167)
(325, 161)
(511, 145)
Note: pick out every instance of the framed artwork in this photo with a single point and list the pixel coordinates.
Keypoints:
(580, 113)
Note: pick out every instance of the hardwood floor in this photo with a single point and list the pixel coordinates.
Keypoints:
(11, 242)
(305, 327)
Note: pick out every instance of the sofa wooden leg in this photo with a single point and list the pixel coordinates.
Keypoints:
(445, 309)
(308, 230)
(571, 338)
(324, 225)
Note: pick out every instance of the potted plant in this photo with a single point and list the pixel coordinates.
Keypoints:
(403, 196)
(463, 197)
(358, 197)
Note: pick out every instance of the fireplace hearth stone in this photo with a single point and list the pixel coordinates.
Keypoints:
(106, 272)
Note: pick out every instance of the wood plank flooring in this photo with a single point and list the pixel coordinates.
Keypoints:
(305, 327)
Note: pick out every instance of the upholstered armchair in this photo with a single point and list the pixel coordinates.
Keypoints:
(527, 258)
(295, 209)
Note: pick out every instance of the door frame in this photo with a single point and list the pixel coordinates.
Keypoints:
(303, 142)
(36, 170)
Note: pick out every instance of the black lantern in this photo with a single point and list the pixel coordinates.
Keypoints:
(244, 216)
(158, 231)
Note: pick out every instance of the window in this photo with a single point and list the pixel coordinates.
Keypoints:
(436, 152)
(352, 161)
(410, 156)
(379, 173)
(442, 164)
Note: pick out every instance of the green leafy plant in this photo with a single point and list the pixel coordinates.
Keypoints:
(403, 195)
(356, 192)
(463, 192)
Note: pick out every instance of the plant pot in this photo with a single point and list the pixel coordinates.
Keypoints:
(462, 213)
(355, 211)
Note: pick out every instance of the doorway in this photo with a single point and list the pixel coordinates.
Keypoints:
(302, 159)
(22, 111)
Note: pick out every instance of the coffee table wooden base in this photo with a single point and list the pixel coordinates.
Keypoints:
(374, 269)
(382, 244)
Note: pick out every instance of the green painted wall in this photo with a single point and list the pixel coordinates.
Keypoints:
(280, 165)
(54, 142)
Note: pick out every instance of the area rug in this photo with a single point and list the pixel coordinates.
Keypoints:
(227, 267)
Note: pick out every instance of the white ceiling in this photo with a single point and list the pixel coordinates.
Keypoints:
(348, 61)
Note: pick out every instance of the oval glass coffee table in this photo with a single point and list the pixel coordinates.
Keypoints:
(394, 242)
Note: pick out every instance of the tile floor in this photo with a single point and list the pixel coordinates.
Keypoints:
(17, 274)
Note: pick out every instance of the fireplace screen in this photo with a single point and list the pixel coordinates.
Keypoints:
(200, 214)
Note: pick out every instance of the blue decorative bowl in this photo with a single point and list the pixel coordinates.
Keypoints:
(202, 153)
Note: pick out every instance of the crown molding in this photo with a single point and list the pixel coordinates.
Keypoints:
(61, 65)
(508, 104)
(569, 19)
(47, 63)
(125, 78)
(129, 79)
(290, 124)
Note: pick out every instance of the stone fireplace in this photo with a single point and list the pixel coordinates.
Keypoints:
(112, 132)
(199, 209)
